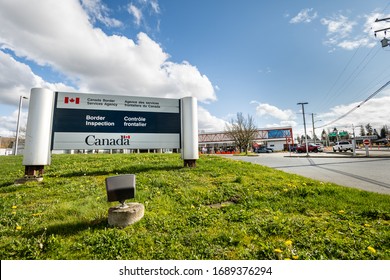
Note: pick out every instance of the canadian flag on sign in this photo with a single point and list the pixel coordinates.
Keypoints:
(72, 100)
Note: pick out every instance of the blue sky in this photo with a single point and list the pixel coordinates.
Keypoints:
(256, 57)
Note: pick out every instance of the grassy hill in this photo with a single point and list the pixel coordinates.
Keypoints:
(221, 209)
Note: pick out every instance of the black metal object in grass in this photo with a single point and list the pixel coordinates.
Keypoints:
(121, 187)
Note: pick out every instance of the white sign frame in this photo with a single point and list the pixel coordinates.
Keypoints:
(41, 139)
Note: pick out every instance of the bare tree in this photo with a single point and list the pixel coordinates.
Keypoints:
(242, 130)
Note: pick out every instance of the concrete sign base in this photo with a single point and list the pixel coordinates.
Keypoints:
(120, 216)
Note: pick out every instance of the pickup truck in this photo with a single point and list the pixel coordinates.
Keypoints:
(342, 146)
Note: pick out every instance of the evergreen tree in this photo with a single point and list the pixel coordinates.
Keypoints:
(369, 129)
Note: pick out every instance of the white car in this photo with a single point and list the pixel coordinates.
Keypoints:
(342, 146)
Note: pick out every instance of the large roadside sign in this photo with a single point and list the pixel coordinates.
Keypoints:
(92, 121)
(72, 121)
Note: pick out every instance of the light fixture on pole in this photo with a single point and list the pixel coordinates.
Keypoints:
(304, 125)
(18, 125)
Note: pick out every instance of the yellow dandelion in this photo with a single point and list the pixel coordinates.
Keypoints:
(37, 214)
(371, 249)
(367, 225)
(192, 206)
(18, 228)
(288, 243)
(14, 207)
(278, 251)
(295, 257)
(341, 212)
(13, 212)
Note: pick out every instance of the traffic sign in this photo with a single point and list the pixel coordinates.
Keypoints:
(366, 142)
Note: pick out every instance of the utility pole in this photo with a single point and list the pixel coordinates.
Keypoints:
(385, 42)
(304, 124)
(314, 132)
(314, 129)
(354, 141)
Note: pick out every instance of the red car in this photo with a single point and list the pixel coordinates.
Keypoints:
(312, 148)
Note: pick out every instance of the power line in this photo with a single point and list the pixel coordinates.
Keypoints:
(334, 92)
(358, 106)
(356, 72)
(380, 79)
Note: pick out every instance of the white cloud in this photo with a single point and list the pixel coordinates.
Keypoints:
(339, 26)
(136, 13)
(208, 122)
(90, 58)
(65, 40)
(370, 112)
(351, 34)
(155, 6)
(305, 15)
(264, 109)
(98, 11)
(353, 44)
(17, 79)
(8, 123)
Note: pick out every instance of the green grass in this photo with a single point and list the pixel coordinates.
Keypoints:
(262, 213)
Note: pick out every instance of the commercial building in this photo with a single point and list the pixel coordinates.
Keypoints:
(277, 138)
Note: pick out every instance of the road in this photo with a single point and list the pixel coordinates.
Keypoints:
(370, 174)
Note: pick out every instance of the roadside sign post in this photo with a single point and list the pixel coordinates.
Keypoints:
(366, 143)
(70, 120)
(289, 142)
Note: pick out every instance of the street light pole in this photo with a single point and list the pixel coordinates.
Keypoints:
(304, 124)
(18, 125)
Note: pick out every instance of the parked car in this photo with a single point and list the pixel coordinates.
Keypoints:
(263, 150)
(312, 148)
(320, 147)
(342, 146)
